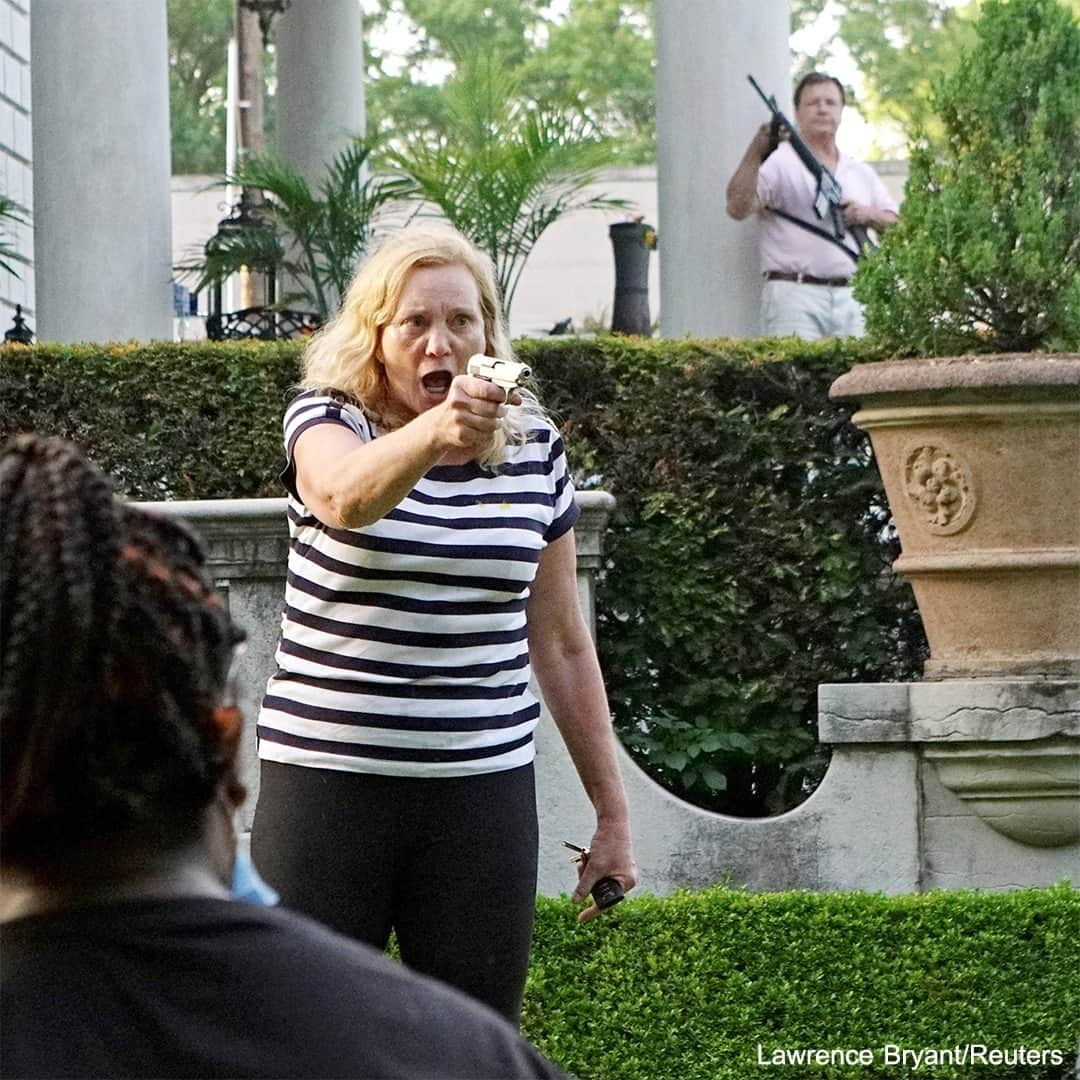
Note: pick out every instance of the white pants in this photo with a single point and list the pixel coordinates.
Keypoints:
(789, 309)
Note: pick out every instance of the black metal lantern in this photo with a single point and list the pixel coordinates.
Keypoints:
(20, 333)
(244, 220)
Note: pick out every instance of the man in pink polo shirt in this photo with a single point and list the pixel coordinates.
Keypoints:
(807, 291)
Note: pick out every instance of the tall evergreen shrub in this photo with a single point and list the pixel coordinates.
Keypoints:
(986, 255)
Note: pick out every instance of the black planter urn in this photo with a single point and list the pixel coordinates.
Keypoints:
(632, 241)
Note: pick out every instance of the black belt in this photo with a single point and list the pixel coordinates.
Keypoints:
(806, 279)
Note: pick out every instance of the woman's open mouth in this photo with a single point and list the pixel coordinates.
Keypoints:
(437, 383)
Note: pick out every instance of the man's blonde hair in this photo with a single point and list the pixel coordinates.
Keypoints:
(345, 354)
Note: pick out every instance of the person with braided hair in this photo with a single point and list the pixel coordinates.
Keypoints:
(124, 952)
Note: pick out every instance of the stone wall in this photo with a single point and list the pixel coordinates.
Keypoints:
(880, 821)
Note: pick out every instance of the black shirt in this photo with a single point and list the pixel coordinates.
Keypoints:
(217, 988)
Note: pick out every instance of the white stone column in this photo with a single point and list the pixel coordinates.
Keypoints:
(706, 114)
(320, 95)
(100, 87)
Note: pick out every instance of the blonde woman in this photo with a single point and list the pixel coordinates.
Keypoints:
(431, 569)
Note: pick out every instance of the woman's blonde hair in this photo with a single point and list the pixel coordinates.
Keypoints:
(344, 355)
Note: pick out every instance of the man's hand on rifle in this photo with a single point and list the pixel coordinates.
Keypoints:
(857, 213)
(766, 139)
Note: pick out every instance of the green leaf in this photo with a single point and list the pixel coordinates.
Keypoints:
(714, 779)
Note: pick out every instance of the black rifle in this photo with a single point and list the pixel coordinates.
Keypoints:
(829, 197)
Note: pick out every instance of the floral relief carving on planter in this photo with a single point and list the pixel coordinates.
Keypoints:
(940, 484)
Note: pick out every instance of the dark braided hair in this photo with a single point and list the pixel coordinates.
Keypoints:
(114, 651)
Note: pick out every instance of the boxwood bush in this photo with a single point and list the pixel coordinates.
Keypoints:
(747, 562)
(687, 987)
(183, 421)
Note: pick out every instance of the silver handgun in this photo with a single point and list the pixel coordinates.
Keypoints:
(508, 374)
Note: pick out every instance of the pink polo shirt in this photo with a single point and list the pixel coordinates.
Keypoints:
(785, 182)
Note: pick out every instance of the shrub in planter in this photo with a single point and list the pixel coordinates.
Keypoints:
(986, 254)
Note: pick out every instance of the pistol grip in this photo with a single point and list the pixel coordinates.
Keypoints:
(607, 892)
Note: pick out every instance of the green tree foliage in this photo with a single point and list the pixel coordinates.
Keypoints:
(986, 256)
(903, 48)
(600, 60)
(199, 32)
(405, 70)
(441, 26)
(594, 62)
(595, 58)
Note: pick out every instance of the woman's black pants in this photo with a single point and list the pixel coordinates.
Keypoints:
(448, 864)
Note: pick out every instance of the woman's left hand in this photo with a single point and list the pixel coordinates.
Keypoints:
(611, 854)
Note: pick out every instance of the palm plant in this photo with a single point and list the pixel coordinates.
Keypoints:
(313, 239)
(502, 169)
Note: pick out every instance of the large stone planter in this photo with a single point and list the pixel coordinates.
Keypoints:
(980, 458)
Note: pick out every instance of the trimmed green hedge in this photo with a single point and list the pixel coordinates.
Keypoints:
(747, 562)
(166, 421)
(687, 987)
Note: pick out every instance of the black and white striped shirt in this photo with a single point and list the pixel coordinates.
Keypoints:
(403, 644)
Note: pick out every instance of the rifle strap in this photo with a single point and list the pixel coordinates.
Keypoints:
(815, 230)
